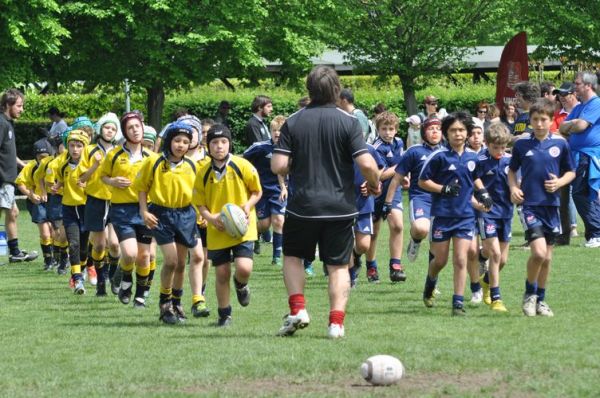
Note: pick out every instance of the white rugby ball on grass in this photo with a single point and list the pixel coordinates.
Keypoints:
(382, 370)
(234, 220)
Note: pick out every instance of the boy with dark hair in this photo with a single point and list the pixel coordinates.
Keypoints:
(526, 93)
(546, 166)
(347, 104)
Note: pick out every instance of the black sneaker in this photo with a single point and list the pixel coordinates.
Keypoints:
(224, 322)
(179, 313)
(61, 270)
(199, 310)
(243, 295)
(101, 289)
(22, 256)
(125, 295)
(48, 266)
(167, 315)
(397, 273)
(257, 247)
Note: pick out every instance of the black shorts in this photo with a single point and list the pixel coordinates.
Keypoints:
(96, 214)
(175, 225)
(228, 255)
(335, 239)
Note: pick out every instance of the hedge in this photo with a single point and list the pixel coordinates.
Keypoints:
(204, 101)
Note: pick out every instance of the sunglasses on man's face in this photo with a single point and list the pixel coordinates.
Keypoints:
(481, 111)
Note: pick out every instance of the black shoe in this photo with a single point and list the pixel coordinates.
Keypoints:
(224, 322)
(125, 295)
(167, 315)
(61, 270)
(22, 256)
(257, 247)
(48, 266)
(101, 289)
(243, 295)
(178, 310)
(397, 273)
(199, 310)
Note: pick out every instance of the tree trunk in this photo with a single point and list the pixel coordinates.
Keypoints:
(228, 84)
(408, 88)
(155, 103)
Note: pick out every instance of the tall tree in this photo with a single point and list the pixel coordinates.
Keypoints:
(411, 38)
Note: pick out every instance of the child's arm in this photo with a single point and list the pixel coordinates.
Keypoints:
(284, 192)
(149, 219)
(94, 166)
(451, 189)
(214, 219)
(388, 173)
(516, 195)
(482, 196)
(29, 193)
(555, 183)
(397, 179)
(252, 201)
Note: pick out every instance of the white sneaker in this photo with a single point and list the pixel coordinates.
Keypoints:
(574, 233)
(477, 297)
(335, 331)
(529, 305)
(593, 242)
(542, 309)
(413, 250)
(291, 323)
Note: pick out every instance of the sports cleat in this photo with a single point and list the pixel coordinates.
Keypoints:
(139, 303)
(243, 295)
(114, 288)
(101, 289)
(22, 256)
(61, 270)
(199, 310)
(167, 315)
(124, 294)
(277, 262)
(115, 281)
(335, 331)
(487, 298)
(412, 251)
(79, 288)
(573, 232)
(179, 313)
(459, 311)
(397, 273)
(372, 275)
(542, 309)
(309, 271)
(429, 301)
(146, 293)
(498, 306)
(257, 247)
(92, 275)
(48, 266)
(224, 322)
(477, 297)
(437, 292)
(529, 305)
(291, 323)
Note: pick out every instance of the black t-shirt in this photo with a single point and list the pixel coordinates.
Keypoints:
(256, 130)
(322, 142)
(8, 151)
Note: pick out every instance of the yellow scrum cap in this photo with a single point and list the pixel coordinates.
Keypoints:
(79, 135)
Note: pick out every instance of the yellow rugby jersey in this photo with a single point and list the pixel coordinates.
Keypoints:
(120, 162)
(52, 171)
(95, 186)
(200, 162)
(73, 194)
(234, 185)
(167, 184)
(26, 177)
(39, 174)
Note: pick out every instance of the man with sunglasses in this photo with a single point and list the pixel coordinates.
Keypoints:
(568, 100)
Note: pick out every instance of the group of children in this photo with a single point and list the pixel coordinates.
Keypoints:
(104, 207)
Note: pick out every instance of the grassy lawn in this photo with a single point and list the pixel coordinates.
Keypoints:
(53, 343)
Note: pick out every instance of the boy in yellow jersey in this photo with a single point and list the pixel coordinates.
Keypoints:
(54, 207)
(74, 206)
(149, 138)
(35, 204)
(198, 255)
(227, 179)
(118, 170)
(167, 180)
(98, 197)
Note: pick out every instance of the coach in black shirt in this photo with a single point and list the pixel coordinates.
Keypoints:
(257, 129)
(318, 147)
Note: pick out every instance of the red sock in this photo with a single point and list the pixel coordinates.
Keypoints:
(336, 317)
(297, 303)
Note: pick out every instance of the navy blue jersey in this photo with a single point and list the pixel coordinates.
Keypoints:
(443, 167)
(411, 164)
(537, 159)
(522, 124)
(391, 154)
(494, 175)
(366, 204)
(260, 154)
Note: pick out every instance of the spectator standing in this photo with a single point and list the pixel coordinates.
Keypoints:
(347, 104)
(508, 115)
(257, 128)
(222, 115)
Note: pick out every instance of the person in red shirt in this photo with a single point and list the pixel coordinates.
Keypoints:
(568, 100)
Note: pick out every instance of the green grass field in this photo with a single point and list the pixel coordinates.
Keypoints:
(53, 343)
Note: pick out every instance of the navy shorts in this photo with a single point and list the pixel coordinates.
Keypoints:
(270, 205)
(127, 222)
(380, 200)
(37, 212)
(334, 237)
(175, 225)
(74, 215)
(541, 222)
(420, 207)
(96, 214)
(201, 234)
(227, 255)
(500, 228)
(364, 224)
(54, 208)
(444, 228)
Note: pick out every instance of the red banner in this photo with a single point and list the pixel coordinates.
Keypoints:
(513, 68)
